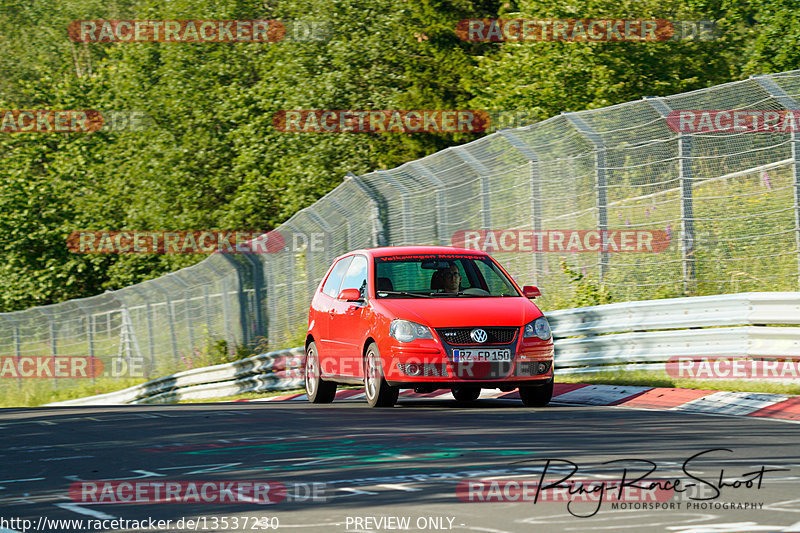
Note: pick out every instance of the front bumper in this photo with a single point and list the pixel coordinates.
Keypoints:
(432, 362)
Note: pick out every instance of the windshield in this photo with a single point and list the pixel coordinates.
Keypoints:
(440, 276)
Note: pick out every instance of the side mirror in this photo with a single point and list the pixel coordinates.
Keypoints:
(529, 291)
(351, 295)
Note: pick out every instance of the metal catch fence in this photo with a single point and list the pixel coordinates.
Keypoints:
(721, 207)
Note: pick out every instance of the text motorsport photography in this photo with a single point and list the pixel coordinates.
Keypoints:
(639, 487)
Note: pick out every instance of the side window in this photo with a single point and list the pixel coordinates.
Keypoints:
(356, 277)
(331, 287)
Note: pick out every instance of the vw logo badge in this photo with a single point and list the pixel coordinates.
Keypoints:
(478, 335)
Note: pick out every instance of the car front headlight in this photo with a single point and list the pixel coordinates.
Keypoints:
(407, 331)
(538, 328)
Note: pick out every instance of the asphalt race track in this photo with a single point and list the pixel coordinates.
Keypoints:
(416, 467)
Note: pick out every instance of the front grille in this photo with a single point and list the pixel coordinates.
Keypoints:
(461, 336)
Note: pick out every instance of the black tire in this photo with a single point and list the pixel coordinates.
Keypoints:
(537, 396)
(466, 394)
(378, 392)
(318, 391)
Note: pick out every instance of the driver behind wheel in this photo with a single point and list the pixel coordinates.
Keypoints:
(447, 279)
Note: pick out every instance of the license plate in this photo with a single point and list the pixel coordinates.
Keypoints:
(475, 356)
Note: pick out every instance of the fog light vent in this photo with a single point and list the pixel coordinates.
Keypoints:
(423, 369)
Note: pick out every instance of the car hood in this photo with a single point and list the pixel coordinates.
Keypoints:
(463, 312)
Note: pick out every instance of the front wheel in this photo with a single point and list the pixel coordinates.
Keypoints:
(537, 396)
(378, 392)
(318, 391)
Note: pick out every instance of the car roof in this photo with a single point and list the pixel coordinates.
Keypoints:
(413, 250)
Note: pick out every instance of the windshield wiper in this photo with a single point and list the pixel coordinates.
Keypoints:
(404, 293)
(460, 293)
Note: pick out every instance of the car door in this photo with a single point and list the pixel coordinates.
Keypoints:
(349, 320)
(326, 344)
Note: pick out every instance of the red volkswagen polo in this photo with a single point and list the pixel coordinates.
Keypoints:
(426, 318)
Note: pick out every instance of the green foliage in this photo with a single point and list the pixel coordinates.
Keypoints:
(587, 291)
(211, 158)
(218, 351)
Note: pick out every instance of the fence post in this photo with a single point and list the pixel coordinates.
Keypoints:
(796, 183)
(226, 319)
(378, 234)
(17, 353)
(600, 183)
(441, 201)
(292, 256)
(53, 333)
(404, 197)
(688, 242)
(790, 104)
(188, 307)
(89, 332)
(347, 216)
(483, 173)
(171, 319)
(257, 272)
(328, 232)
(241, 297)
(536, 202)
(151, 343)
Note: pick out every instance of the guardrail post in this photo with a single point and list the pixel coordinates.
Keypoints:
(378, 234)
(536, 201)
(441, 202)
(790, 104)
(688, 241)
(600, 182)
(483, 173)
